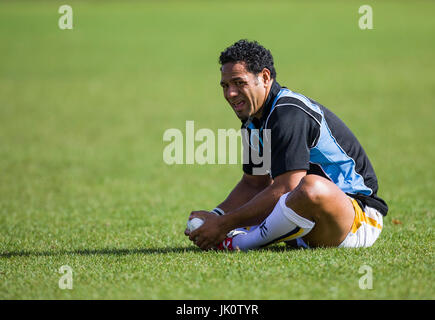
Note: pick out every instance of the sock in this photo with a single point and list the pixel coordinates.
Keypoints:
(281, 225)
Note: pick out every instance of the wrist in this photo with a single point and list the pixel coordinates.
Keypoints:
(228, 222)
(218, 211)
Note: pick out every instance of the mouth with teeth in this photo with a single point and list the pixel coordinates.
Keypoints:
(239, 106)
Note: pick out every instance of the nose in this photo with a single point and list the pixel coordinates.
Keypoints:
(232, 92)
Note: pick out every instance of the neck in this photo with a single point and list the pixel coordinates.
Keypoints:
(259, 113)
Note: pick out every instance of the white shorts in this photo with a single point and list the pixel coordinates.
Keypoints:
(366, 227)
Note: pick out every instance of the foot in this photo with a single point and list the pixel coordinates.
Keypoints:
(227, 244)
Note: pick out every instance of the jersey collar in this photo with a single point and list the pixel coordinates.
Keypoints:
(274, 91)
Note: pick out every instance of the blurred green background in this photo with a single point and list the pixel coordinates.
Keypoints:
(82, 116)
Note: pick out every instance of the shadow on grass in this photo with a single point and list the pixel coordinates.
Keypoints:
(103, 251)
(118, 252)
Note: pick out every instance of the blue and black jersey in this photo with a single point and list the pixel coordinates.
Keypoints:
(307, 136)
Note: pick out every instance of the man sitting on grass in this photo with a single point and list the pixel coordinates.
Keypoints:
(320, 189)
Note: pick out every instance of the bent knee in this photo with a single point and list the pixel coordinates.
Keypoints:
(313, 189)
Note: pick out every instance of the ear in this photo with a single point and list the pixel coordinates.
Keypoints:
(265, 76)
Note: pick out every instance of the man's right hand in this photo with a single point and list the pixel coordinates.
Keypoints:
(211, 233)
(186, 231)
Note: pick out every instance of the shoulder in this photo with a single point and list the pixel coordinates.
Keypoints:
(291, 115)
(295, 107)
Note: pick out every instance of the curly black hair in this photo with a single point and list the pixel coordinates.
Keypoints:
(254, 55)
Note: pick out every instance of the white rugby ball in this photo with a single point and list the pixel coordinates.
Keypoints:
(194, 223)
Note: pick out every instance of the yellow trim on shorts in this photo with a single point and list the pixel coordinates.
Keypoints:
(293, 236)
(361, 217)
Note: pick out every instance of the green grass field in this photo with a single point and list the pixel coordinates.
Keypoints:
(82, 116)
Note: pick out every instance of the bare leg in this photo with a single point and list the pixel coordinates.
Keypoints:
(319, 200)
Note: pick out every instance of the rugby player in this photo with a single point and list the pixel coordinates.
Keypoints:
(320, 189)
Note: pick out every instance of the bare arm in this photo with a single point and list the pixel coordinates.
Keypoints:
(215, 228)
(247, 188)
(260, 206)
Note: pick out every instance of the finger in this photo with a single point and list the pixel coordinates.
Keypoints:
(213, 244)
(194, 214)
(204, 244)
(191, 237)
(198, 241)
(194, 234)
(200, 214)
(201, 243)
(203, 247)
(207, 247)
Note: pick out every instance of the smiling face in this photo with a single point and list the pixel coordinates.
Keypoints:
(244, 91)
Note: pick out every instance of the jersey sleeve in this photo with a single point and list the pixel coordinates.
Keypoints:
(293, 133)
